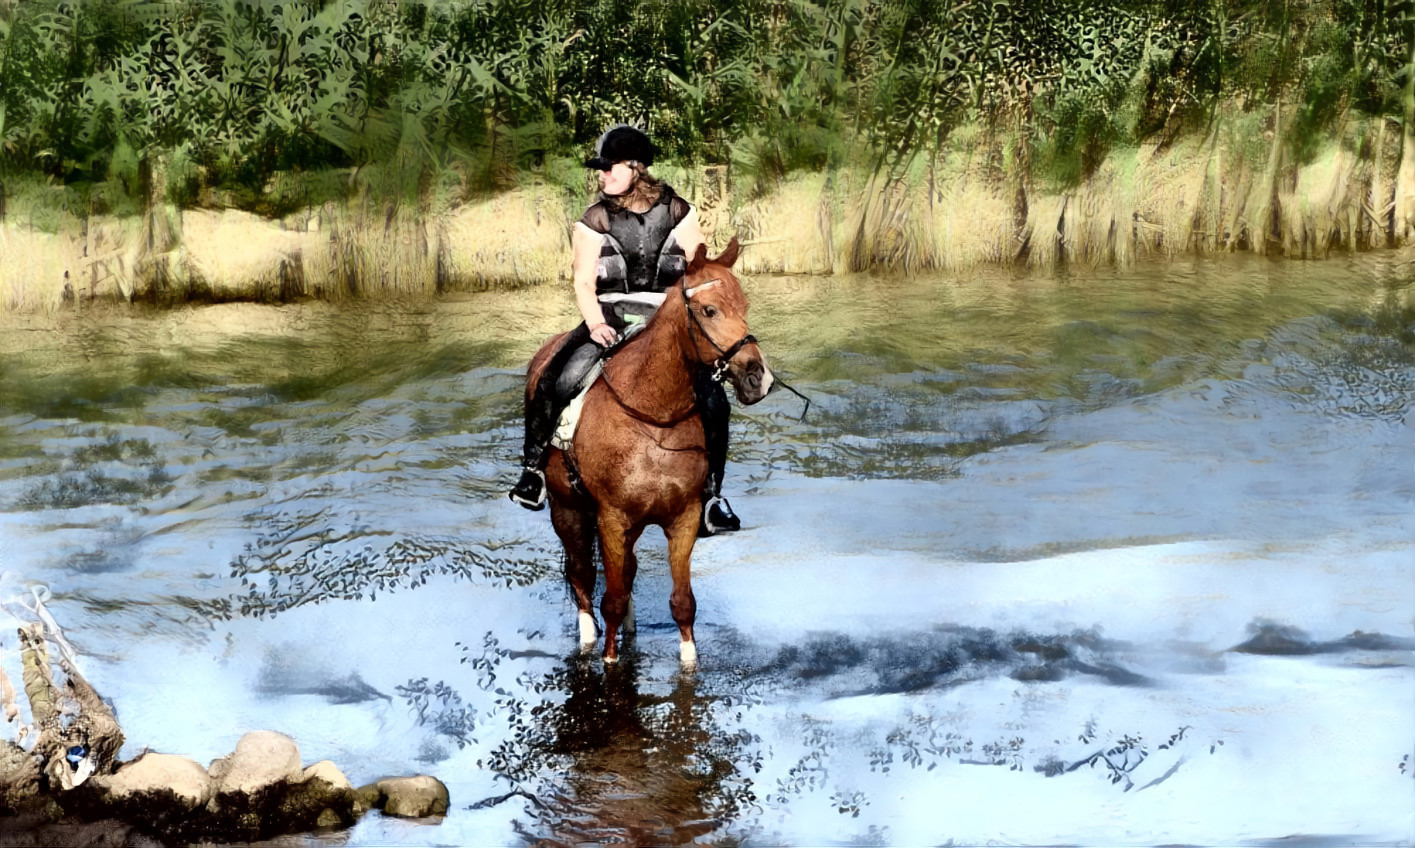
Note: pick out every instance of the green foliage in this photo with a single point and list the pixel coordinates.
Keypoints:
(276, 104)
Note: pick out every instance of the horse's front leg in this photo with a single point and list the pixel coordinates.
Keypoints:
(682, 535)
(576, 531)
(616, 541)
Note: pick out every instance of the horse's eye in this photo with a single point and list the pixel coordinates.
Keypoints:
(710, 311)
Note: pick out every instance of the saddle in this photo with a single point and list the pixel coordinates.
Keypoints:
(627, 313)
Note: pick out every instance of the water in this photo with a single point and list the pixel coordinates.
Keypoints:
(1099, 557)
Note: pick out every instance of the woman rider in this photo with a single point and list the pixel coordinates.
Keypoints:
(629, 247)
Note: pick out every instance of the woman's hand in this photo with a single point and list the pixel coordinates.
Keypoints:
(603, 335)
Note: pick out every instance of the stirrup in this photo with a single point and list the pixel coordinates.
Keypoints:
(718, 517)
(522, 494)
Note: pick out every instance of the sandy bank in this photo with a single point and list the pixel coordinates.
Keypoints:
(1229, 190)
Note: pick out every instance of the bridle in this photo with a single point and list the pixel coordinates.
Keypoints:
(719, 366)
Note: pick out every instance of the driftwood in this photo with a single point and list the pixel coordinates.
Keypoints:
(68, 787)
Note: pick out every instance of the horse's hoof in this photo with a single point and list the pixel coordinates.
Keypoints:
(629, 625)
(688, 655)
(588, 634)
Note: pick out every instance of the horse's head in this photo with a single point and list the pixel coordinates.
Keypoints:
(717, 323)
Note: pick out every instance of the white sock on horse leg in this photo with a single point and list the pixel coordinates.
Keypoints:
(588, 635)
(688, 654)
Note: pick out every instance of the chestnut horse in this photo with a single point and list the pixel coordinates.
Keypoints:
(639, 450)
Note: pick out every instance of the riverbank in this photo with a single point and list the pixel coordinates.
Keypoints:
(1227, 190)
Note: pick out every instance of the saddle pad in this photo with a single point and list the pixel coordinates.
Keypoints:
(569, 419)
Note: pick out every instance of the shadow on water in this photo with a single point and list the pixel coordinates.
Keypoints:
(946, 657)
(1274, 639)
(641, 754)
(628, 754)
(619, 761)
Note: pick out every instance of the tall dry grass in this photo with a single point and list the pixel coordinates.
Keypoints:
(1232, 188)
(333, 252)
(1228, 189)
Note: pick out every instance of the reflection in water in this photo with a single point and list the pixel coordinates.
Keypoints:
(597, 755)
(302, 556)
(617, 762)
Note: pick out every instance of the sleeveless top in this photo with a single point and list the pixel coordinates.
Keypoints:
(638, 252)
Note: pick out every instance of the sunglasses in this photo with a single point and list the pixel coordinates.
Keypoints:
(609, 166)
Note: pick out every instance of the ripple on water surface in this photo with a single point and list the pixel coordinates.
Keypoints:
(1116, 541)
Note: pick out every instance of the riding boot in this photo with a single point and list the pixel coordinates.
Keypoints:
(543, 410)
(541, 414)
(717, 514)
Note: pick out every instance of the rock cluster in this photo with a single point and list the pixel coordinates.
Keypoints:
(69, 788)
(258, 791)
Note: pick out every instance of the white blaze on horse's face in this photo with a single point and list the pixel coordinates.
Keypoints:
(688, 293)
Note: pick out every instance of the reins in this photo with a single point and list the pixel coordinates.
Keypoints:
(719, 368)
(778, 383)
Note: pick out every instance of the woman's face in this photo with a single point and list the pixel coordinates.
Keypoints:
(617, 180)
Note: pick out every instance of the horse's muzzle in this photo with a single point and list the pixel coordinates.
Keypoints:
(749, 374)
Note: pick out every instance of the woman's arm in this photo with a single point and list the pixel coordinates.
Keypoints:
(584, 271)
(689, 233)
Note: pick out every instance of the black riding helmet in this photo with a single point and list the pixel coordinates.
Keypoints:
(621, 143)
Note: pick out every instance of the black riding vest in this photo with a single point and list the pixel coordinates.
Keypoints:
(638, 254)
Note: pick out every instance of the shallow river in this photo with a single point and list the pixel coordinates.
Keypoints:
(1098, 557)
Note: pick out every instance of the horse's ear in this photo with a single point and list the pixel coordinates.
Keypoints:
(699, 259)
(729, 255)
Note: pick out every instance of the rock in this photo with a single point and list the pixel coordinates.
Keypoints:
(262, 759)
(329, 773)
(19, 781)
(322, 798)
(368, 797)
(412, 797)
(155, 780)
(31, 832)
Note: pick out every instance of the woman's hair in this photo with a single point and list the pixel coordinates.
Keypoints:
(645, 191)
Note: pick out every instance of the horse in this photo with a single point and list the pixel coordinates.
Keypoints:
(638, 456)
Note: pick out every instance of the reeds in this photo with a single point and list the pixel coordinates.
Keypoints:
(1213, 193)
(383, 147)
(335, 252)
